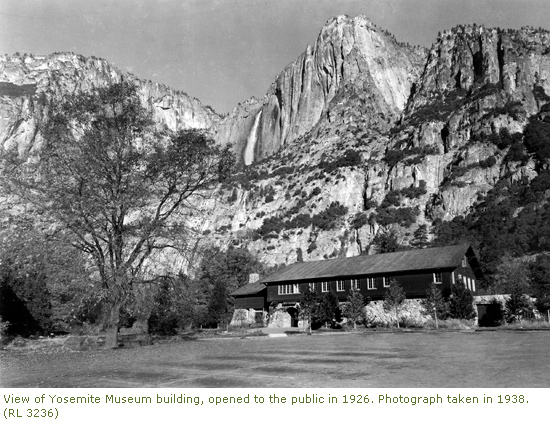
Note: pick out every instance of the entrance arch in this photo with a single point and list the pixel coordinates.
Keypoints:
(293, 312)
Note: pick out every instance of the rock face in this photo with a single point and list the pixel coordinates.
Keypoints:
(29, 83)
(352, 59)
(360, 134)
(398, 137)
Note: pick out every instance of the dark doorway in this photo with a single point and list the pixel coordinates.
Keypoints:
(489, 315)
(293, 312)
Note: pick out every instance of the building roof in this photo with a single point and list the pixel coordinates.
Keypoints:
(409, 260)
(249, 289)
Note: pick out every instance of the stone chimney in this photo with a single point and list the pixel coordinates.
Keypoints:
(253, 277)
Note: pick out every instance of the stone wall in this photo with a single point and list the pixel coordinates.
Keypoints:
(410, 314)
(248, 318)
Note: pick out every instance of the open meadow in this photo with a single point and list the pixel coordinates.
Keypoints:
(504, 358)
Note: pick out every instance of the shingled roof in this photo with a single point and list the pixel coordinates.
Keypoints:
(408, 260)
(249, 289)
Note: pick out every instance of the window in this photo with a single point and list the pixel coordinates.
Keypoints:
(289, 288)
(355, 284)
(438, 278)
(340, 285)
(386, 282)
(464, 262)
(453, 277)
(324, 286)
(311, 287)
(473, 285)
(371, 283)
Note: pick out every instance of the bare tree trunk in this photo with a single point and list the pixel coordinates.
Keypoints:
(111, 339)
(397, 317)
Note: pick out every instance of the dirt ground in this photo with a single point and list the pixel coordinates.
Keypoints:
(370, 359)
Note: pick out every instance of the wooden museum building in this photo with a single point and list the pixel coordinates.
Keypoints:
(414, 270)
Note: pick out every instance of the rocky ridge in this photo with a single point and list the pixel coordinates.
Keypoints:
(431, 156)
(351, 60)
(29, 83)
(360, 134)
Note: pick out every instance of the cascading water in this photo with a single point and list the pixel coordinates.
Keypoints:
(251, 142)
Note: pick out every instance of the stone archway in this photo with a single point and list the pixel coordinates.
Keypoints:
(293, 312)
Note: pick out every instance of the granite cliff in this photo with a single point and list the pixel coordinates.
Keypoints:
(351, 62)
(28, 83)
(400, 138)
(360, 135)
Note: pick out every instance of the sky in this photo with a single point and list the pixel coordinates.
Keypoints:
(225, 51)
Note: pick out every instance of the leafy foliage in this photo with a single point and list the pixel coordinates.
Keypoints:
(350, 158)
(539, 272)
(117, 184)
(420, 239)
(328, 309)
(387, 241)
(537, 138)
(42, 280)
(308, 306)
(394, 298)
(434, 303)
(512, 219)
(353, 308)
(220, 273)
(461, 302)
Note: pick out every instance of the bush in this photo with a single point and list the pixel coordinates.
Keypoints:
(537, 138)
(350, 158)
(359, 220)
(405, 216)
(503, 139)
(327, 219)
(435, 303)
(461, 302)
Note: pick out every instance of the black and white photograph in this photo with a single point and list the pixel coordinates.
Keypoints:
(270, 195)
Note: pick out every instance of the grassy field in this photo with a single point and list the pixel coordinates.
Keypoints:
(504, 358)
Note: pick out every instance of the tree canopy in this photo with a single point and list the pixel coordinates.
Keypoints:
(119, 184)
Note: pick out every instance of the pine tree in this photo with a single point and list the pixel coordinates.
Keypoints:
(394, 298)
(434, 304)
(420, 236)
(309, 305)
(352, 309)
(461, 302)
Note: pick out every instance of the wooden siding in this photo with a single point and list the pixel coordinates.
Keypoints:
(414, 285)
(257, 302)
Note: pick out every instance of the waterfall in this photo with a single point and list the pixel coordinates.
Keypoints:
(251, 142)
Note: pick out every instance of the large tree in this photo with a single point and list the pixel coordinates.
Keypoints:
(221, 273)
(119, 184)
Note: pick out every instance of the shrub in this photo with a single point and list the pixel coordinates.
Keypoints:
(488, 162)
(435, 303)
(359, 220)
(328, 218)
(405, 216)
(415, 192)
(386, 242)
(271, 224)
(461, 302)
(503, 139)
(394, 298)
(537, 138)
(350, 158)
